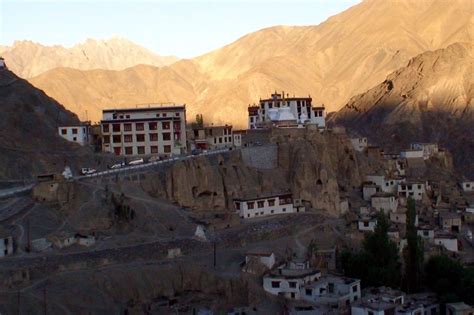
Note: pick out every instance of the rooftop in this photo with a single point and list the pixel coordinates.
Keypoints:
(150, 107)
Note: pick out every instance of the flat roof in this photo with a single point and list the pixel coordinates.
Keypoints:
(145, 109)
(264, 196)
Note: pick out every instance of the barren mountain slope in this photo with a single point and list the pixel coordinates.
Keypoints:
(28, 59)
(29, 140)
(431, 99)
(346, 55)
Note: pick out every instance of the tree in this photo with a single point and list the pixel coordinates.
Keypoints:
(413, 252)
(378, 263)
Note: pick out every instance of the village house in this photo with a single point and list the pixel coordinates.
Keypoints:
(415, 190)
(288, 279)
(265, 205)
(366, 223)
(467, 186)
(384, 201)
(429, 149)
(80, 134)
(281, 111)
(450, 221)
(446, 240)
(6, 243)
(369, 189)
(399, 216)
(211, 137)
(459, 308)
(237, 137)
(359, 144)
(255, 261)
(153, 130)
(426, 232)
(378, 301)
(428, 300)
(338, 292)
(387, 185)
(412, 154)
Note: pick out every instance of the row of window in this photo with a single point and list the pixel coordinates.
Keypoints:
(263, 213)
(165, 125)
(127, 116)
(152, 137)
(141, 149)
(226, 139)
(74, 131)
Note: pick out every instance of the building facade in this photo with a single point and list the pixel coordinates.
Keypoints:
(281, 111)
(415, 190)
(154, 130)
(359, 144)
(80, 134)
(264, 206)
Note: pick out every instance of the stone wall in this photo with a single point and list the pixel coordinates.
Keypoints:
(260, 157)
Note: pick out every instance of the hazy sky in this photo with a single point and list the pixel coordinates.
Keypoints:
(182, 28)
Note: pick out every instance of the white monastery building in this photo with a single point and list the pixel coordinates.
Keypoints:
(263, 206)
(467, 186)
(416, 190)
(79, 134)
(281, 111)
(156, 129)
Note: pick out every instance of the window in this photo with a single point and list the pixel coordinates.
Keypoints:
(284, 210)
(116, 127)
(153, 136)
(308, 291)
(117, 138)
(139, 126)
(74, 139)
(370, 313)
(292, 284)
(154, 149)
(271, 202)
(272, 211)
(250, 205)
(275, 284)
(106, 139)
(167, 148)
(152, 126)
(166, 136)
(127, 127)
(260, 204)
(74, 131)
(237, 205)
(165, 125)
(127, 116)
(215, 140)
(292, 295)
(176, 114)
(105, 128)
(366, 224)
(164, 114)
(354, 288)
(127, 138)
(140, 138)
(128, 150)
(63, 131)
(141, 150)
(419, 186)
(220, 139)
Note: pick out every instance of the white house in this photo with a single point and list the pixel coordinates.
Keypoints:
(429, 149)
(332, 290)
(412, 154)
(467, 186)
(450, 221)
(265, 258)
(384, 201)
(288, 279)
(379, 301)
(447, 240)
(359, 144)
(426, 232)
(265, 205)
(85, 240)
(6, 244)
(280, 110)
(237, 135)
(387, 185)
(366, 223)
(79, 134)
(416, 190)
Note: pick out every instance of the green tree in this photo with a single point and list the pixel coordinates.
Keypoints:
(413, 252)
(378, 263)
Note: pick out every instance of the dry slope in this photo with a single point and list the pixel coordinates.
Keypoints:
(344, 56)
(431, 99)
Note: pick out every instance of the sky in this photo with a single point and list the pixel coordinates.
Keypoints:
(184, 28)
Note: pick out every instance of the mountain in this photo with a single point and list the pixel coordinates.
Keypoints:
(29, 140)
(28, 59)
(431, 99)
(343, 56)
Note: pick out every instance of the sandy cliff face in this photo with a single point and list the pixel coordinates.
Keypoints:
(28, 59)
(346, 55)
(430, 99)
(313, 166)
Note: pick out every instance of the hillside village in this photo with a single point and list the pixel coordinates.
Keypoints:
(281, 212)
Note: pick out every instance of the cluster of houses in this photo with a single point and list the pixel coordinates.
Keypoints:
(162, 129)
(439, 223)
(308, 290)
